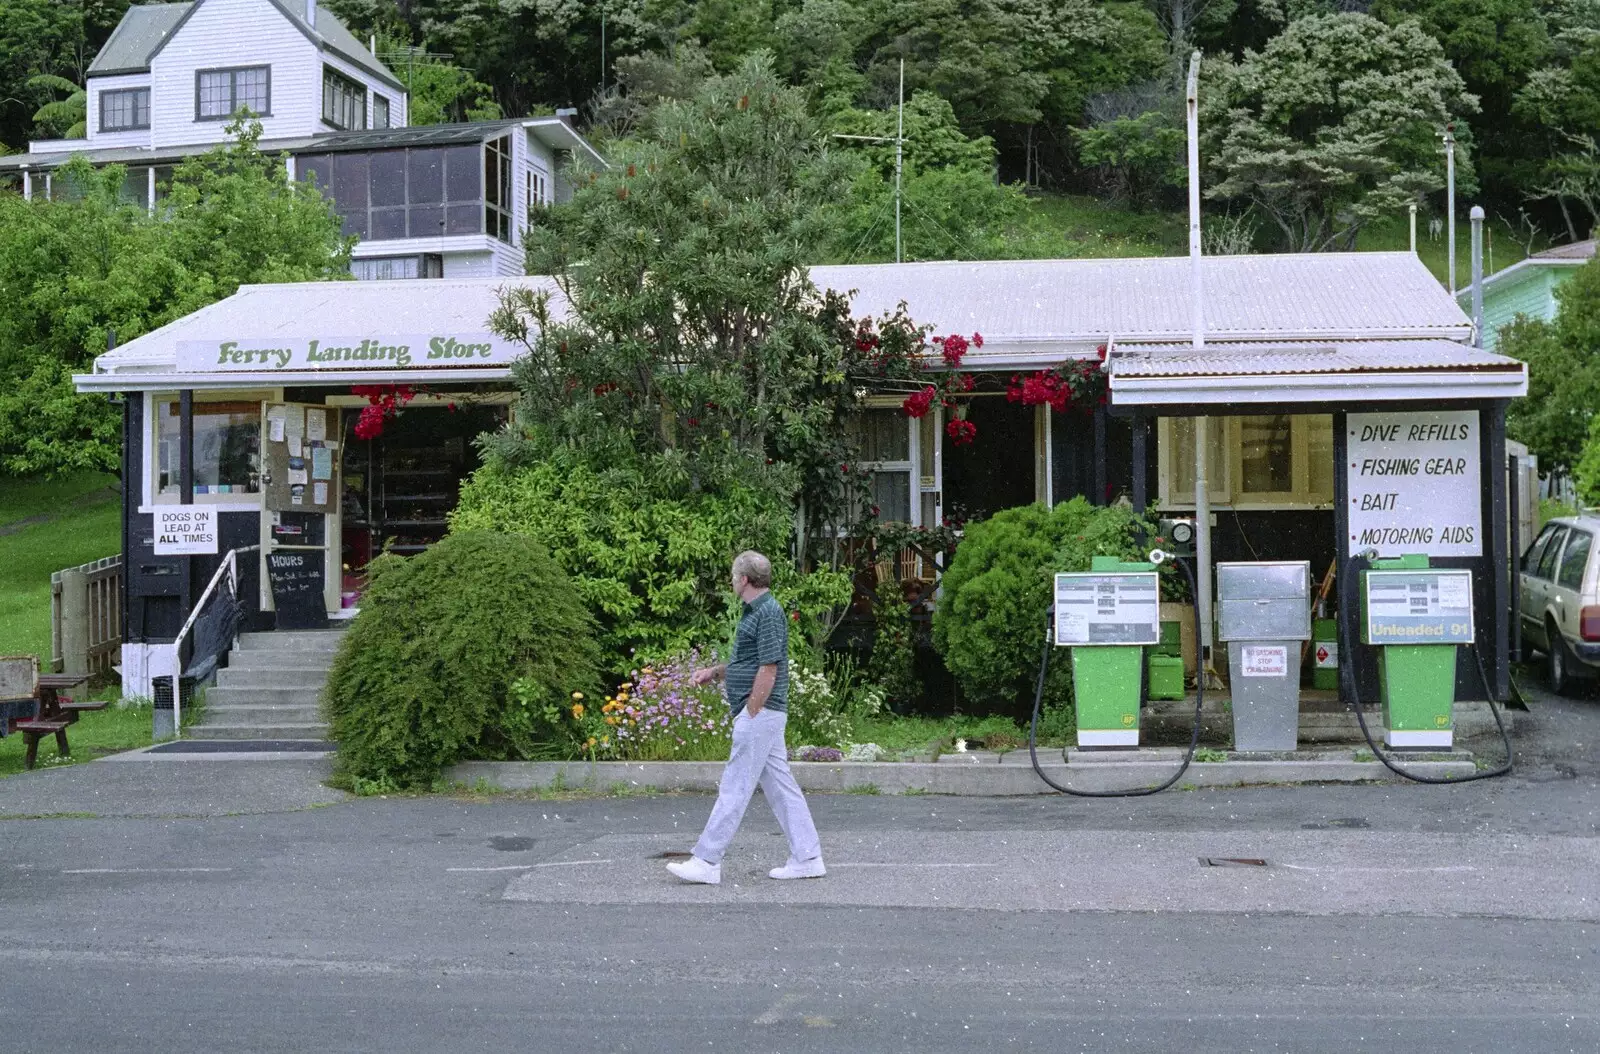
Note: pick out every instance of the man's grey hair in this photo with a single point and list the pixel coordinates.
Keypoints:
(755, 567)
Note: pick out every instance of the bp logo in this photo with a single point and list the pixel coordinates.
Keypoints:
(1441, 720)
(1127, 720)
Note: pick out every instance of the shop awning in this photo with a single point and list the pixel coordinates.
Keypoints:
(1278, 372)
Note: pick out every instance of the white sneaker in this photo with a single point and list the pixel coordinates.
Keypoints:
(695, 869)
(799, 869)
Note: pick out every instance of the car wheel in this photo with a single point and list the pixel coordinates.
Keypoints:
(1558, 663)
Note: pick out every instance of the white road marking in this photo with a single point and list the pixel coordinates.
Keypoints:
(530, 867)
(774, 1014)
(143, 870)
(910, 864)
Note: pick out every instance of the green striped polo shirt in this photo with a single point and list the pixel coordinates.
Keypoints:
(761, 640)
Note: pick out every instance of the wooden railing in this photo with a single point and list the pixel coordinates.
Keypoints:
(86, 617)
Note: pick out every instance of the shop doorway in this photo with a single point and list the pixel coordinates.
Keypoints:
(997, 470)
(401, 486)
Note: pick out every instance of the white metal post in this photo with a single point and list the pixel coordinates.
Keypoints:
(1413, 228)
(1202, 495)
(1450, 198)
(899, 153)
(1477, 276)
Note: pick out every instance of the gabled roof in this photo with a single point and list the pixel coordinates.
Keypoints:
(1574, 254)
(137, 38)
(145, 30)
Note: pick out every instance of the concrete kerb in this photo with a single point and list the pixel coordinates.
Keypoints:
(1008, 775)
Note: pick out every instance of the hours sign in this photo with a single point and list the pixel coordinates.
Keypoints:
(1413, 483)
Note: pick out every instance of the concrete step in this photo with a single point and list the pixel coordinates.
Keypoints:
(303, 640)
(239, 714)
(299, 730)
(319, 661)
(235, 677)
(221, 696)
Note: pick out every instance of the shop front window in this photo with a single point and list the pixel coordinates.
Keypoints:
(1266, 461)
(227, 448)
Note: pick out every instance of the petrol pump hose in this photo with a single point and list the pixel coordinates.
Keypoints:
(1156, 557)
(1389, 763)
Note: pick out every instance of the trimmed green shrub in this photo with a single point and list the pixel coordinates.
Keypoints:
(995, 598)
(423, 677)
(653, 568)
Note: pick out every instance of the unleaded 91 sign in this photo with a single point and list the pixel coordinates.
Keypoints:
(1413, 483)
(1108, 608)
(185, 530)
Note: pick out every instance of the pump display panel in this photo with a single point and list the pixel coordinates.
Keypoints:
(1419, 607)
(1099, 608)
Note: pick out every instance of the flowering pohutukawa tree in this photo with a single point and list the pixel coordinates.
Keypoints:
(894, 349)
(1077, 384)
(384, 402)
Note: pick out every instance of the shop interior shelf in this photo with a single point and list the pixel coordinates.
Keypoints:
(419, 497)
(440, 522)
(410, 472)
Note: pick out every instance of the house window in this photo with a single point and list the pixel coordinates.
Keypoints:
(124, 110)
(538, 191)
(227, 448)
(344, 101)
(380, 111)
(1268, 461)
(219, 94)
(883, 437)
(390, 268)
(417, 192)
(497, 188)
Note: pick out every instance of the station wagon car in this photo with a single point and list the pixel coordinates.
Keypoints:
(1560, 593)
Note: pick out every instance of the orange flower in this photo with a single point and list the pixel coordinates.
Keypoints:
(577, 711)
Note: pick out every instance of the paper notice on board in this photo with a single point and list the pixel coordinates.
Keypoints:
(1455, 592)
(298, 476)
(316, 425)
(294, 446)
(294, 423)
(319, 494)
(275, 424)
(321, 464)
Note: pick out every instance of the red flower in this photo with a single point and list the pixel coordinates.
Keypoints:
(694, 422)
(919, 402)
(844, 468)
(961, 431)
(605, 389)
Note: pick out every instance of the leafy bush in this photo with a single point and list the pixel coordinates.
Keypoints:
(652, 564)
(990, 622)
(423, 677)
(815, 715)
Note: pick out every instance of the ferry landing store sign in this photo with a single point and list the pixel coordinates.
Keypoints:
(390, 352)
(1414, 483)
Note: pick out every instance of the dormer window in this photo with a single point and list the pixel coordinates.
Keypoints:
(125, 110)
(344, 101)
(221, 93)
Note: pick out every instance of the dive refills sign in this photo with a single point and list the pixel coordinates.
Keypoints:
(383, 351)
(1414, 483)
(1419, 607)
(185, 530)
(1108, 608)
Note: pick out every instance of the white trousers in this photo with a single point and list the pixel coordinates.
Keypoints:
(759, 757)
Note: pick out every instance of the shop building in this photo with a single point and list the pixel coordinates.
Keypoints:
(424, 202)
(1323, 379)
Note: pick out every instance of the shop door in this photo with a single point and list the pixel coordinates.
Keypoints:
(300, 499)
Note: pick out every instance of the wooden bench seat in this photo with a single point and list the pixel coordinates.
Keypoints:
(32, 730)
(72, 710)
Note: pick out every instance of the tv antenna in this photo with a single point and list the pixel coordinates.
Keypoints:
(899, 141)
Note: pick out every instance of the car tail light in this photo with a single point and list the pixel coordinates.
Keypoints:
(1589, 622)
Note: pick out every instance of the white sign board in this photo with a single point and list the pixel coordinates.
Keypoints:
(1413, 483)
(389, 351)
(1108, 608)
(185, 530)
(1264, 660)
(1431, 606)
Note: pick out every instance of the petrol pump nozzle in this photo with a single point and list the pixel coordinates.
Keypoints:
(1159, 557)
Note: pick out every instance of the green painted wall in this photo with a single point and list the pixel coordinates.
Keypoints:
(1531, 293)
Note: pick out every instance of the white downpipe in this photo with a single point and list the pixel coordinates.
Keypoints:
(1450, 198)
(1202, 489)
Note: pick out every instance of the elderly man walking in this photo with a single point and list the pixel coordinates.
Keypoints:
(757, 681)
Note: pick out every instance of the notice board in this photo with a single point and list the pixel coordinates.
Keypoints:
(297, 579)
(1101, 608)
(1414, 483)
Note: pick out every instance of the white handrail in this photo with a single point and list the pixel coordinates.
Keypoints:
(230, 566)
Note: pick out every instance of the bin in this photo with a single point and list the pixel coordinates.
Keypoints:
(1264, 614)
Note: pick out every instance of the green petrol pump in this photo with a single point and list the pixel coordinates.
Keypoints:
(1108, 615)
(1416, 615)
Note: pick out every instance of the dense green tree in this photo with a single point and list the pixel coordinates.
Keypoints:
(46, 38)
(1563, 358)
(89, 264)
(1334, 123)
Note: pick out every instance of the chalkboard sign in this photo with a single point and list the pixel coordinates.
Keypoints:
(297, 586)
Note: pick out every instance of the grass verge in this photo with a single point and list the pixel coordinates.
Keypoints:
(96, 734)
(83, 523)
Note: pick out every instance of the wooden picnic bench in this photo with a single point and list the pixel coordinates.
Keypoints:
(20, 685)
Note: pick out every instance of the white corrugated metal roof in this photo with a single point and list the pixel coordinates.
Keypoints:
(1030, 312)
(1237, 358)
(1301, 296)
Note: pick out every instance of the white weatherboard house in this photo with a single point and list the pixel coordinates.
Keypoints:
(1307, 357)
(425, 202)
(1527, 289)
